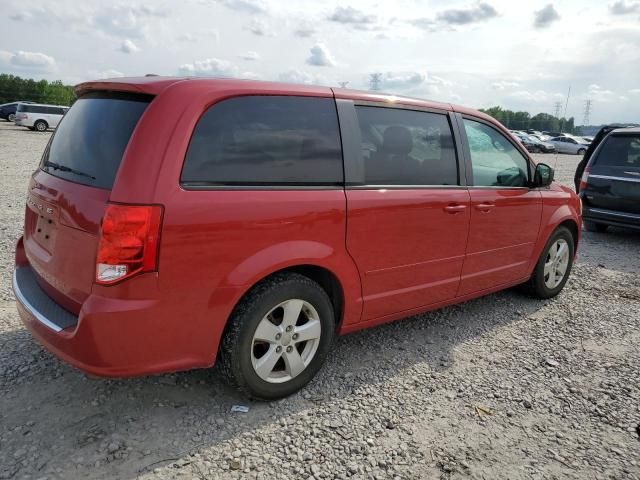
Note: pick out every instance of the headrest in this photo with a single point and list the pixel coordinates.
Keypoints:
(397, 141)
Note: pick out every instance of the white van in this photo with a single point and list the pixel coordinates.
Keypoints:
(38, 116)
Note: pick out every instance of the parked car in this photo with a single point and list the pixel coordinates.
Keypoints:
(610, 182)
(569, 145)
(534, 145)
(8, 110)
(588, 138)
(555, 134)
(38, 116)
(175, 223)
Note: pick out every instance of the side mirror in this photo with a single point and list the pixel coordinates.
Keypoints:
(543, 175)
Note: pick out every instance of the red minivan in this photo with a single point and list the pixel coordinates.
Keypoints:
(175, 221)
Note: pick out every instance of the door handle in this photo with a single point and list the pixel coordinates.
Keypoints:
(454, 208)
(485, 206)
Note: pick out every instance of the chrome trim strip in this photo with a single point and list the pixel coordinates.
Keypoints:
(617, 214)
(622, 179)
(21, 298)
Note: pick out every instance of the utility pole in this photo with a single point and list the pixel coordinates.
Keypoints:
(374, 81)
(587, 111)
(557, 108)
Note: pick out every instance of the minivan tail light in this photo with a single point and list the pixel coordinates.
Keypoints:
(584, 179)
(129, 240)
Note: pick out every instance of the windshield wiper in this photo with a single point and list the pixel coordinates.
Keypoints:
(63, 168)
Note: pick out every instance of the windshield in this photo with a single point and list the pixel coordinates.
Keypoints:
(88, 145)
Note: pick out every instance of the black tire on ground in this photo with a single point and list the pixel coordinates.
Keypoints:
(41, 126)
(582, 151)
(536, 285)
(236, 348)
(594, 226)
(11, 117)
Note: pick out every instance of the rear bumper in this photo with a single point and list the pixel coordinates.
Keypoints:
(112, 337)
(611, 217)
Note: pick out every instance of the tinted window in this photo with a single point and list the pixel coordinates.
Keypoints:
(92, 138)
(620, 151)
(495, 161)
(266, 140)
(406, 147)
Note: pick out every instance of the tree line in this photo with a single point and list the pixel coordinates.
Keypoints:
(14, 88)
(524, 120)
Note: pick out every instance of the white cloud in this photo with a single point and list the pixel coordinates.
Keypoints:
(250, 56)
(635, 91)
(351, 16)
(28, 61)
(248, 6)
(545, 16)
(214, 67)
(320, 56)
(622, 7)
(294, 75)
(536, 96)
(111, 73)
(304, 30)
(504, 84)
(477, 12)
(128, 47)
(127, 20)
(259, 27)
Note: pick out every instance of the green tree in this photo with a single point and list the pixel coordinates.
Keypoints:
(13, 88)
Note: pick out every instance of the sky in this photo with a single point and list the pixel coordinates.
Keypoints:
(519, 55)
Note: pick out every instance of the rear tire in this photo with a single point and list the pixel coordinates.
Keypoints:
(554, 265)
(41, 126)
(262, 352)
(594, 226)
(11, 117)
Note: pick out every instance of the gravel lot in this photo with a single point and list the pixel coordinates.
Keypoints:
(499, 387)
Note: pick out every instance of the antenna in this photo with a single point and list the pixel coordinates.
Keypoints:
(374, 81)
(587, 111)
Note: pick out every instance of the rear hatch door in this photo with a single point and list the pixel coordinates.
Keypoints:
(69, 192)
(614, 174)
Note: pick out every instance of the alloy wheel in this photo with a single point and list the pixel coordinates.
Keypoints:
(555, 267)
(285, 341)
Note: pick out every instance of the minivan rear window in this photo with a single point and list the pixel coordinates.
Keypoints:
(88, 145)
(620, 151)
(266, 141)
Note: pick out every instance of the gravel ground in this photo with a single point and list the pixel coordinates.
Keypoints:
(499, 387)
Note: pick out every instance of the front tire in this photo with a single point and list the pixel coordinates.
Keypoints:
(278, 337)
(582, 151)
(594, 226)
(41, 126)
(554, 265)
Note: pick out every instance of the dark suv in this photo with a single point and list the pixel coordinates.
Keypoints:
(610, 183)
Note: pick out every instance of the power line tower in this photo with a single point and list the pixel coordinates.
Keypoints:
(374, 81)
(557, 109)
(343, 84)
(587, 111)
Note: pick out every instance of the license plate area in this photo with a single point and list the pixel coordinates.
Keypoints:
(44, 222)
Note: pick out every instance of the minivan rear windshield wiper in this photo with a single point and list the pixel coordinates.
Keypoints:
(63, 168)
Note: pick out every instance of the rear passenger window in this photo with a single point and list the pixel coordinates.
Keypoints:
(405, 147)
(496, 162)
(266, 140)
(620, 151)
